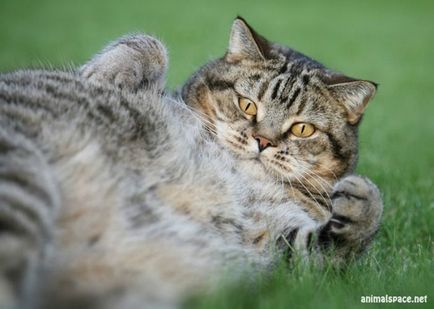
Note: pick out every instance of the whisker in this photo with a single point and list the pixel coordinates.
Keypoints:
(237, 136)
(306, 170)
(207, 124)
(311, 195)
(235, 143)
(205, 119)
(292, 188)
(315, 176)
(320, 181)
(293, 156)
(327, 201)
(201, 114)
(327, 168)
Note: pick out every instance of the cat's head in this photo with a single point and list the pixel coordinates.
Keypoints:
(284, 113)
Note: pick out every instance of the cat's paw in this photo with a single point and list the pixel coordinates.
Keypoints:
(357, 209)
(130, 63)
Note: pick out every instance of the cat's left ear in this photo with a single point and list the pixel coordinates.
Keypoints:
(354, 94)
(246, 43)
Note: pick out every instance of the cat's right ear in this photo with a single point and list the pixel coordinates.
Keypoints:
(352, 93)
(246, 43)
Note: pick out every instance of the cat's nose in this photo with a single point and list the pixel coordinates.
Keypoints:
(263, 142)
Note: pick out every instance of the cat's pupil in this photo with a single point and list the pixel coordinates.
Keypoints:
(302, 129)
(247, 107)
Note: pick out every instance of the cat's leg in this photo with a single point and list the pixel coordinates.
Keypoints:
(357, 210)
(28, 202)
(132, 62)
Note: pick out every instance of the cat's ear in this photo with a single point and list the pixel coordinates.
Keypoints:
(354, 94)
(244, 42)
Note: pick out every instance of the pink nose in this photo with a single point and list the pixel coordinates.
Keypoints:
(263, 142)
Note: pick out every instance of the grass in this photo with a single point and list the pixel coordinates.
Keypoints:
(390, 42)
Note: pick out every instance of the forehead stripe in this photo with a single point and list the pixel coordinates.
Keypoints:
(292, 99)
(283, 69)
(276, 89)
(219, 84)
(301, 106)
(305, 80)
(287, 88)
(262, 89)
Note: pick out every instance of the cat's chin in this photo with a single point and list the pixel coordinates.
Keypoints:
(255, 168)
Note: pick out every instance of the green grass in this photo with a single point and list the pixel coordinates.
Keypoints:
(390, 42)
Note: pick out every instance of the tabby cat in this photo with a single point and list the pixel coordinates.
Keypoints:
(116, 194)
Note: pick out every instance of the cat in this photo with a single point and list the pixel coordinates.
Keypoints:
(116, 194)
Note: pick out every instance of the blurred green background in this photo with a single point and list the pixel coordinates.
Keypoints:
(390, 42)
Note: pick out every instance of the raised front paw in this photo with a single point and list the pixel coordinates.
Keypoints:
(357, 209)
(130, 63)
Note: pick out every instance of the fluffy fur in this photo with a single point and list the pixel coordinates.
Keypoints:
(114, 194)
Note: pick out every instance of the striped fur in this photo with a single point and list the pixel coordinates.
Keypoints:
(114, 194)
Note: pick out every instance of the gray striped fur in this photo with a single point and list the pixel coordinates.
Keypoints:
(114, 194)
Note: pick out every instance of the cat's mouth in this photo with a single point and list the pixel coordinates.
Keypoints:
(255, 160)
(261, 163)
(255, 164)
(269, 167)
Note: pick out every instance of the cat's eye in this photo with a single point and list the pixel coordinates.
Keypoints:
(247, 106)
(302, 129)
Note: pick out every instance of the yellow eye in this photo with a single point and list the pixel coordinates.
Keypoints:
(247, 106)
(302, 129)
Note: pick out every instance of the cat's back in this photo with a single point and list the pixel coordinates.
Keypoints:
(38, 89)
(50, 96)
(57, 107)
(97, 141)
